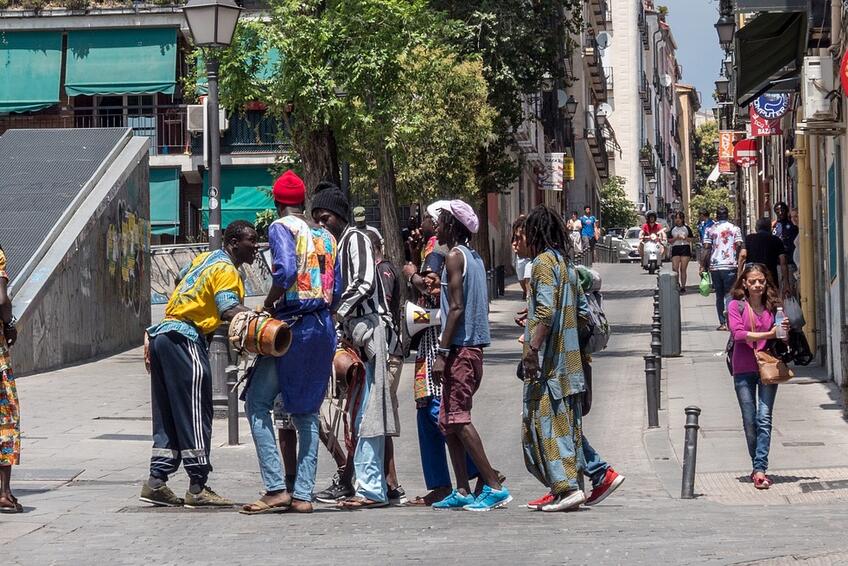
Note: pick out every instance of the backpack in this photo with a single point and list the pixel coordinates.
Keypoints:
(599, 328)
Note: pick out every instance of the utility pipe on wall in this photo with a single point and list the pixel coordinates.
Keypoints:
(806, 239)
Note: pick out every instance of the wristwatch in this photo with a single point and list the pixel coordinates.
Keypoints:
(443, 352)
(11, 323)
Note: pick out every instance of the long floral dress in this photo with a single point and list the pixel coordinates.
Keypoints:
(10, 426)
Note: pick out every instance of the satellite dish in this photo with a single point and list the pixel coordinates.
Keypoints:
(603, 39)
(667, 80)
(604, 109)
(562, 98)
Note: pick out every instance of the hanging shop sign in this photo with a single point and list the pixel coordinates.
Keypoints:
(725, 151)
(745, 152)
(761, 127)
(771, 106)
(552, 177)
(568, 168)
(843, 72)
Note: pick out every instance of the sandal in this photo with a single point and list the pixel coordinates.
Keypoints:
(762, 483)
(9, 506)
(361, 503)
(434, 496)
(259, 507)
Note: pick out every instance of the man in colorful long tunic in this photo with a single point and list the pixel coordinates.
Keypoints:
(302, 254)
(210, 291)
(10, 426)
(552, 421)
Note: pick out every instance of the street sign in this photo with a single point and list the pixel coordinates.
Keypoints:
(771, 106)
(745, 152)
(843, 73)
(568, 168)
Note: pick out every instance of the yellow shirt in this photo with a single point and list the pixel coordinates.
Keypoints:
(210, 286)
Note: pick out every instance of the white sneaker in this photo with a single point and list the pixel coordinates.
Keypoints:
(564, 502)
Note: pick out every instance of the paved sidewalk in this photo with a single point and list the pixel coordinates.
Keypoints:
(87, 441)
(809, 448)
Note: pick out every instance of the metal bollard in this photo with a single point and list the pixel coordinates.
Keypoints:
(232, 406)
(490, 283)
(690, 452)
(656, 350)
(219, 359)
(652, 386)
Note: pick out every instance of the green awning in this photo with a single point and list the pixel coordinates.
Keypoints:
(121, 61)
(770, 49)
(244, 192)
(30, 70)
(267, 68)
(165, 201)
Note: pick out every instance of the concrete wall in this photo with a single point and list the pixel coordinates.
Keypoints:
(90, 294)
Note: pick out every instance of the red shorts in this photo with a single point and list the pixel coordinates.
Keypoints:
(463, 374)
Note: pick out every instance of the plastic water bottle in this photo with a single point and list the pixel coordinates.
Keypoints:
(778, 321)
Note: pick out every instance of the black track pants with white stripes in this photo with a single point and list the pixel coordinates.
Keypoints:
(181, 399)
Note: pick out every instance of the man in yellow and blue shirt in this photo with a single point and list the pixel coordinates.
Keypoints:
(210, 290)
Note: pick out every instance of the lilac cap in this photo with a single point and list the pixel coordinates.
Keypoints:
(465, 214)
(434, 209)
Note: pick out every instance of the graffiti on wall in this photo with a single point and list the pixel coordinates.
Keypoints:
(126, 245)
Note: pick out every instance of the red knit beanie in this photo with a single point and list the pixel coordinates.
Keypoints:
(289, 189)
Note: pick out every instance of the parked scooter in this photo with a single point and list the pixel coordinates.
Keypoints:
(652, 254)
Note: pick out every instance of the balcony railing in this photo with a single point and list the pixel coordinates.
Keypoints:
(166, 126)
(608, 75)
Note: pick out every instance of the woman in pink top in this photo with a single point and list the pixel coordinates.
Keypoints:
(751, 323)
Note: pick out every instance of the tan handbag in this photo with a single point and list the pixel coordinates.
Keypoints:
(772, 369)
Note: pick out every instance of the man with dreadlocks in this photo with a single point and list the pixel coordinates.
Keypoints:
(552, 433)
(459, 364)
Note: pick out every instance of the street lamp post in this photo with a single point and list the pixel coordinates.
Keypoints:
(212, 24)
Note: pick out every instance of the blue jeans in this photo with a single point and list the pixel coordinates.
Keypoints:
(368, 460)
(431, 442)
(596, 467)
(263, 389)
(723, 280)
(756, 401)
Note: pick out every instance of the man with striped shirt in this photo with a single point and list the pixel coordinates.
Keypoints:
(366, 323)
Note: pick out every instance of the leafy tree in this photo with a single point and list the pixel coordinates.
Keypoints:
(710, 198)
(523, 45)
(616, 209)
(706, 153)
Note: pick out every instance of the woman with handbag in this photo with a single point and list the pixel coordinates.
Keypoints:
(751, 324)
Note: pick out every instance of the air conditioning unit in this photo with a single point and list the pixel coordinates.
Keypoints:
(816, 84)
(195, 115)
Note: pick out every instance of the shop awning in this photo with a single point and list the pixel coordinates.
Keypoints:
(165, 201)
(770, 50)
(30, 69)
(266, 70)
(244, 192)
(121, 61)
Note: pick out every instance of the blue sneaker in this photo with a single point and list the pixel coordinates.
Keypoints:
(454, 501)
(490, 499)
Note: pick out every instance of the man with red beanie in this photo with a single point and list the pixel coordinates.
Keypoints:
(303, 268)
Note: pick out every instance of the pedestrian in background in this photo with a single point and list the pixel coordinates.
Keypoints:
(765, 248)
(681, 238)
(10, 424)
(590, 230)
(575, 233)
(722, 244)
(522, 265)
(751, 319)
(704, 223)
(787, 230)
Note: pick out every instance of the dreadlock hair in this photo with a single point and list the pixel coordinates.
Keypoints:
(544, 230)
(454, 227)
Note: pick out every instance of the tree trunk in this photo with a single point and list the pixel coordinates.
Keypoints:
(317, 150)
(387, 191)
(481, 241)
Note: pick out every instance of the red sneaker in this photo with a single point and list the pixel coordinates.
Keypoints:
(611, 482)
(546, 499)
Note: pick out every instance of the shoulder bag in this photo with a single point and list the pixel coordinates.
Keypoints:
(772, 370)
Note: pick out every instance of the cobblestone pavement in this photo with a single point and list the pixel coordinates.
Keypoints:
(86, 445)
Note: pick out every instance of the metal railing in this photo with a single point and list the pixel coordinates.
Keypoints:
(166, 126)
(608, 76)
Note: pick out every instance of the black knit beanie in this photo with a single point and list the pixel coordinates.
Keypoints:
(329, 197)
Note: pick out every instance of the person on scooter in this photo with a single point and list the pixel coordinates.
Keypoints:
(651, 226)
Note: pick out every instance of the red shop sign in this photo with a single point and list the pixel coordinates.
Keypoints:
(745, 152)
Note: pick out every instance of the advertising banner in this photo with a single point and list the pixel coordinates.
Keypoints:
(551, 179)
(725, 151)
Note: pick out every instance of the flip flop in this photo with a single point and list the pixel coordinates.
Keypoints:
(361, 503)
(762, 483)
(259, 507)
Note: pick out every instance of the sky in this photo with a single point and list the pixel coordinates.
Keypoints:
(698, 51)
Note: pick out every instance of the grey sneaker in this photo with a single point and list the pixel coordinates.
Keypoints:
(335, 491)
(162, 496)
(206, 498)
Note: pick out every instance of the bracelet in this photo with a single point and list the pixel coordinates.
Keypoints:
(443, 351)
(11, 323)
(532, 349)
